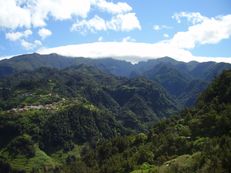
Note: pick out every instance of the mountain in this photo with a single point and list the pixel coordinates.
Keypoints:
(197, 140)
(30, 62)
(58, 109)
(81, 81)
(169, 77)
(184, 81)
(80, 119)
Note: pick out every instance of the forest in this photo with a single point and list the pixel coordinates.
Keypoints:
(81, 119)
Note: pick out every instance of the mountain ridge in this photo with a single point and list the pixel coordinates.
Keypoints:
(175, 76)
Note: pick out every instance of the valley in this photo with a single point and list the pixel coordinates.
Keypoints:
(92, 116)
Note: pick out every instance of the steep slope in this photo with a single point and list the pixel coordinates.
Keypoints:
(183, 87)
(39, 134)
(185, 81)
(173, 81)
(102, 89)
(51, 110)
(175, 76)
(30, 62)
(198, 140)
(191, 92)
(33, 62)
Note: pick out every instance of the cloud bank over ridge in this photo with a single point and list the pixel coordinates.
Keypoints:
(129, 51)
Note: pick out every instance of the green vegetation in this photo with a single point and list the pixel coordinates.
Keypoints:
(184, 81)
(51, 89)
(198, 140)
(81, 120)
(54, 111)
(39, 162)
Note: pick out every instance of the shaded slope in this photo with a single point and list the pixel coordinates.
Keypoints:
(175, 76)
(198, 140)
(100, 105)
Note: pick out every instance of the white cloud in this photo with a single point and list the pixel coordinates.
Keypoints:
(36, 13)
(208, 31)
(28, 14)
(114, 8)
(193, 17)
(100, 39)
(94, 24)
(130, 51)
(21, 36)
(30, 45)
(14, 36)
(128, 39)
(59, 10)
(120, 22)
(6, 57)
(44, 33)
(156, 27)
(13, 16)
(160, 27)
(27, 33)
(165, 35)
(125, 22)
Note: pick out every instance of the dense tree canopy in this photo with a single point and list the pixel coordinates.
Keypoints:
(80, 119)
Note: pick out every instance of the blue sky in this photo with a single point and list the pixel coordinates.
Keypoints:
(185, 30)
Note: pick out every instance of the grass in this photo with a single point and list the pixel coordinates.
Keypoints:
(61, 156)
(181, 164)
(184, 163)
(146, 168)
(39, 162)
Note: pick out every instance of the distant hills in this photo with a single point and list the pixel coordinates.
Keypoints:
(183, 81)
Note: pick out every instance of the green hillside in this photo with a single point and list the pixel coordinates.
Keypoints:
(80, 119)
(197, 140)
(184, 81)
(51, 111)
